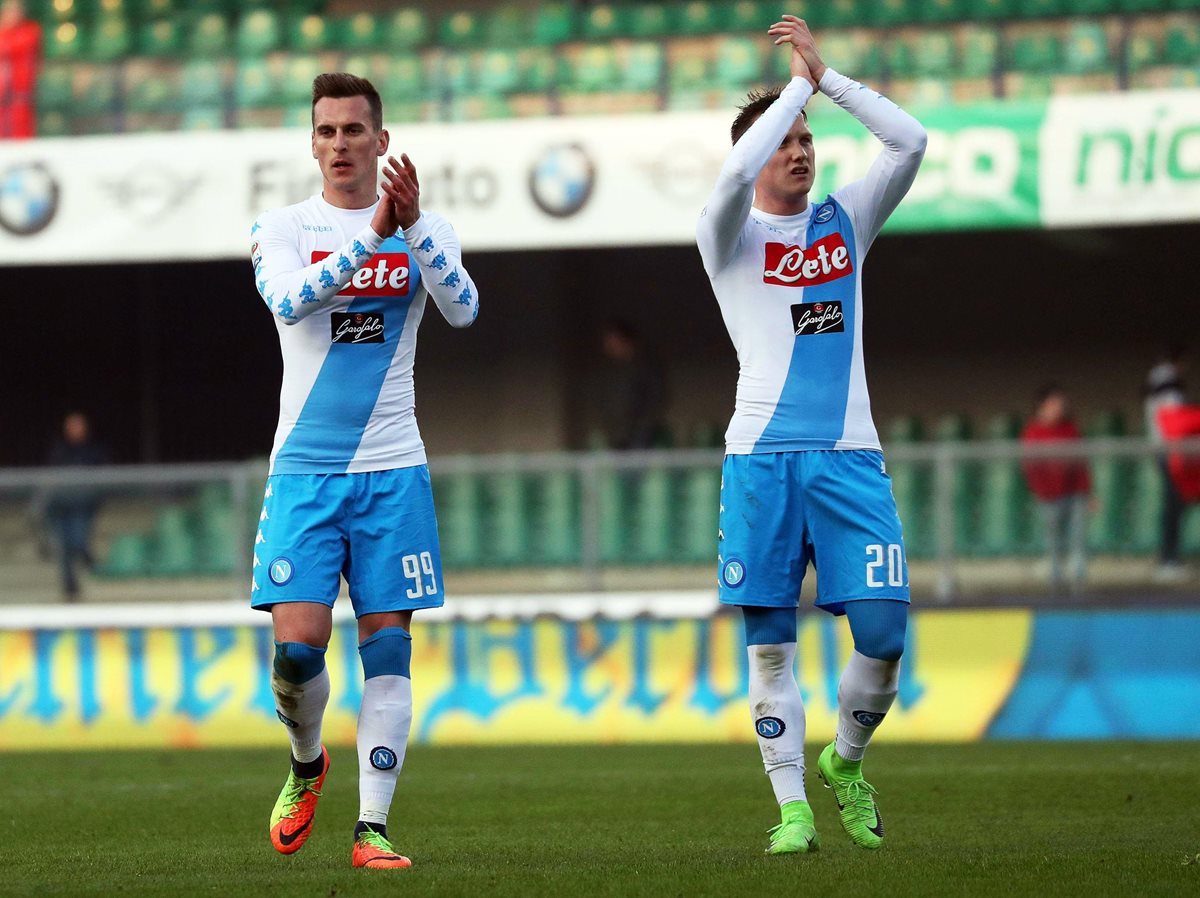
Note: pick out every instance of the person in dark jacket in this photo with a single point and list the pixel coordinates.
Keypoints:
(71, 510)
(1062, 487)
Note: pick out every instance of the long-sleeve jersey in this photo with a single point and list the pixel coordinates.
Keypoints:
(347, 304)
(789, 286)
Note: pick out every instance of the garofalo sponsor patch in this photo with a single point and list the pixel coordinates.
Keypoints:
(818, 318)
(356, 327)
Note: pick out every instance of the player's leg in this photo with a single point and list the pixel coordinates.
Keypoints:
(778, 713)
(761, 567)
(298, 556)
(384, 720)
(395, 568)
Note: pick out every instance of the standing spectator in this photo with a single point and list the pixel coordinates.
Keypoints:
(71, 510)
(1164, 389)
(1061, 487)
(20, 52)
(632, 391)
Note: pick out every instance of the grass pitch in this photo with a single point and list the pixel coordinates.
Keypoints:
(1093, 819)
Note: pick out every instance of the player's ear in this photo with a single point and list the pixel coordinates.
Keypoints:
(314, 143)
(384, 140)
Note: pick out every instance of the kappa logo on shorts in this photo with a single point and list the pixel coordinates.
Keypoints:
(281, 570)
(733, 573)
(383, 758)
(868, 718)
(769, 727)
(825, 212)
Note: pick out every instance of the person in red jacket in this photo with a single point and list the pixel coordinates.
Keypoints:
(20, 50)
(1061, 487)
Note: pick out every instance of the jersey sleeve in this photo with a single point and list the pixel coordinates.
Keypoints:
(724, 217)
(291, 289)
(436, 249)
(871, 200)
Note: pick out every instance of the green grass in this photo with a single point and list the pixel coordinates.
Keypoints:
(1093, 819)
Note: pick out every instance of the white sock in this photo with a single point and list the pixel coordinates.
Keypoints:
(865, 693)
(383, 723)
(778, 712)
(301, 708)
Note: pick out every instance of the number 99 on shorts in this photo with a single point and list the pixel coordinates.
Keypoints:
(419, 569)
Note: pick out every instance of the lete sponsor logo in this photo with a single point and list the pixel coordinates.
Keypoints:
(790, 266)
(385, 275)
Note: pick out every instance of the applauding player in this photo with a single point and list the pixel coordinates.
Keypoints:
(345, 274)
(804, 478)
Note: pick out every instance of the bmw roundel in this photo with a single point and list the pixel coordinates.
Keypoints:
(281, 571)
(733, 573)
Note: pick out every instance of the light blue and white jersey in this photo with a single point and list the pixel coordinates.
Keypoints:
(790, 287)
(347, 304)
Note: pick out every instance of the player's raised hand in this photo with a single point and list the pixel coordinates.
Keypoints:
(793, 30)
(402, 177)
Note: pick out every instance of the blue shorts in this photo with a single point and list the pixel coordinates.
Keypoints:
(376, 529)
(834, 508)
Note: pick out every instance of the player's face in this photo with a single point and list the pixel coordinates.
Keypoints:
(788, 175)
(346, 144)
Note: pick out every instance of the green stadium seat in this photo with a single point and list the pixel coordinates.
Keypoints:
(594, 68)
(689, 73)
(209, 36)
(310, 34)
(553, 23)
(556, 527)
(1006, 525)
(936, 55)
(1181, 46)
(1185, 5)
(64, 41)
(162, 37)
(203, 84)
(614, 524)
(1036, 53)
(840, 50)
(967, 484)
(299, 72)
(254, 85)
(980, 50)
(128, 556)
(362, 32)
(648, 20)
(605, 21)
(941, 10)
(53, 123)
(463, 28)
(152, 95)
(699, 506)
(1037, 9)
(844, 13)
(507, 520)
(174, 552)
(1093, 7)
(203, 118)
(212, 524)
(641, 67)
(901, 58)
(747, 15)
(1189, 533)
(407, 28)
(55, 87)
(538, 67)
(112, 39)
(405, 80)
(890, 13)
(700, 17)
(652, 515)
(65, 11)
(508, 26)
(499, 72)
(258, 33)
(456, 72)
(1137, 7)
(157, 9)
(739, 62)
(1145, 507)
(990, 10)
(1086, 49)
(98, 93)
(459, 512)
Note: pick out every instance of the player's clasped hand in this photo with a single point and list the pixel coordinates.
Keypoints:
(400, 206)
(806, 60)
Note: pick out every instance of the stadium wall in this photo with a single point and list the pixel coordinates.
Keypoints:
(655, 668)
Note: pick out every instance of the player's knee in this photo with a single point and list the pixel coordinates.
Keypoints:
(298, 662)
(882, 646)
(770, 664)
(769, 626)
(388, 652)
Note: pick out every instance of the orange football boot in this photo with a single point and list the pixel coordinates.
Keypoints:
(292, 818)
(373, 850)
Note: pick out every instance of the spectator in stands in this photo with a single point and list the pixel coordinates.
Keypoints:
(20, 52)
(1061, 487)
(71, 510)
(1164, 389)
(632, 390)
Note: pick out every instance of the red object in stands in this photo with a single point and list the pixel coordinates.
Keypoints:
(1179, 422)
(20, 49)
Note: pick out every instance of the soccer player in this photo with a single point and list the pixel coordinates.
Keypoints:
(803, 478)
(345, 274)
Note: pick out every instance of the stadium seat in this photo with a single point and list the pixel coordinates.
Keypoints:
(1086, 49)
(55, 88)
(739, 62)
(1136, 7)
(966, 484)
(174, 552)
(254, 85)
(699, 507)
(700, 17)
(1181, 46)
(128, 556)
(461, 29)
(1037, 9)
(212, 524)
(1036, 53)
(258, 33)
(556, 527)
(162, 37)
(152, 95)
(97, 94)
(203, 118)
(508, 26)
(209, 36)
(991, 10)
(553, 23)
(309, 34)
(52, 123)
(652, 515)
(641, 66)
(507, 523)
(64, 41)
(499, 72)
(1005, 506)
(459, 519)
(203, 84)
(593, 68)
(455, 73)
(746, 15)
(841, 50)
(1093, 7)
(689, 73)
(361, 32)
(650, 20)
(891, 13)
(614, 523)
(156, 9)
(980, 49)
(1145, 507)
(407, 28)
(844, 13)
(296, 87)
(111, 39)
(605, 21)
(538, 68)
(941, 10)
(1142, 50)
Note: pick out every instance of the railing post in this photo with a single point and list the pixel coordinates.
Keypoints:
(944, 524)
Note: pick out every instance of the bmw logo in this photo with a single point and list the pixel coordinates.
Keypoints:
(28, 198)
(825, 212)
(383, 758)
(281, 571)
(769, 727)
(561, 180)
(734, 573)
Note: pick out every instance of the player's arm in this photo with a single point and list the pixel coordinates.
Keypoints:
(437, 251)
(724, 217)
(292, 289)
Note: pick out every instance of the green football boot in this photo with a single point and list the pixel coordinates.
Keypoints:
(796, 834)
(855, 797)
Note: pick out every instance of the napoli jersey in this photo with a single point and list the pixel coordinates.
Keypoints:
(347, 304)
(790, 287)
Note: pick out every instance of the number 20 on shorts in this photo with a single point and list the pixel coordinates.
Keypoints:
(417, 568)
(890, 556)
